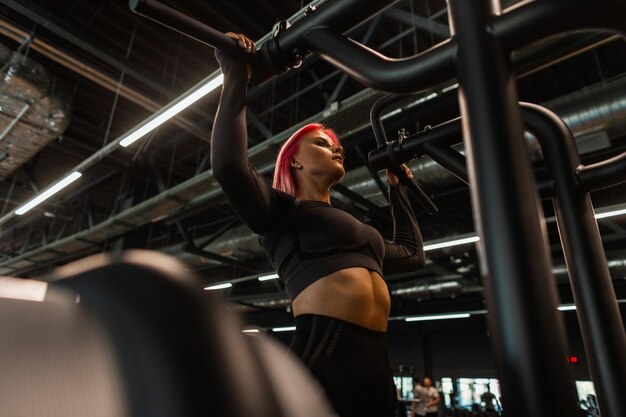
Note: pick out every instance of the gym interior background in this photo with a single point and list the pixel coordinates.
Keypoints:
(77, 75)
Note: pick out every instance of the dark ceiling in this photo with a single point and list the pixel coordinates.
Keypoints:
(114, 69)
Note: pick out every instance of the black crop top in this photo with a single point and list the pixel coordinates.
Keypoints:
(305, 240)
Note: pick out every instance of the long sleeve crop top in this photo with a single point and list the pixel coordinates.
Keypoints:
(304, 240)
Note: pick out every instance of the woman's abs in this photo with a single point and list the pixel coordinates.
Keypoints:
(356, 295)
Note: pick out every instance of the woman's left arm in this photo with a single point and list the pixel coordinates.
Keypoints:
(406, 251)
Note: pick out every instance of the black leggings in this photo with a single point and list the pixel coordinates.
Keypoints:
(350, 362)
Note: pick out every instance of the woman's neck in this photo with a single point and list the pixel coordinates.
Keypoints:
(311, 192)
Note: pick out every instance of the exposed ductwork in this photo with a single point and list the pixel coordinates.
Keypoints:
(34, 109)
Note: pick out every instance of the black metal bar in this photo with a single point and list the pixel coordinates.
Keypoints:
(406, 75)
(185, 25)
(449, 159)
(290, 45)
(527, 333)
(528, 22)
(596, 305)
(603, 174)
(374, 174)
(391, 162)
(441, 136)
(444, 134)
(284, 50)
(376, 116)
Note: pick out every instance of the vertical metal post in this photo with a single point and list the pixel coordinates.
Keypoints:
(527, 333)
(596, 305)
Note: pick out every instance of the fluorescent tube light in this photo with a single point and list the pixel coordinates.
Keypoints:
(219, 286)
(566, 307)
(250, 331)
(168, 113)
(438, 317)
(451, 243)
(23, 289)
(450, 87)
(48, 193)
(268, 277)
(284, 329)
(610, 214)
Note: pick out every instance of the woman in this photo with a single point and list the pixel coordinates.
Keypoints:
(330, 262)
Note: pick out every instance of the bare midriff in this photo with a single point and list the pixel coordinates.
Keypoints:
(356, 295)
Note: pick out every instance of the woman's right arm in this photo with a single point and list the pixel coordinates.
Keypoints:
(250, 195)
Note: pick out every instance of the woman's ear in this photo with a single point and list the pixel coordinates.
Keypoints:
(295, 164)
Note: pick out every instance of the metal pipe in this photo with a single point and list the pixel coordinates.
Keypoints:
(283, 50)
(376, 117)
(436, 65)
(290, 45)
(185, 25)
(446, 134)
(449, 159)
(440, 153)
(596, 304)
(603, 174)
(392, 163)
(405, 75)
(527, 334)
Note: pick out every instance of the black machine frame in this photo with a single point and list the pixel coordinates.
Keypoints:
(527, 333)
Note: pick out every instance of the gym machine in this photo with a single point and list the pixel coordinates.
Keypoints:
(527, 333)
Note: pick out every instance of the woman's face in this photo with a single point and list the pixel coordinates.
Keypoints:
(318, 156)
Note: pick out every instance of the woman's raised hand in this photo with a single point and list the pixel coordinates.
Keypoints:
(246, 43)
(243, 41)
(392, 178)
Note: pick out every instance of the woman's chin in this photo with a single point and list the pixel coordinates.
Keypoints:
(338, 179)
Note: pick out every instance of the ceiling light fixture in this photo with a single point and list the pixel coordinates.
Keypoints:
(219, 286)
(23, 289)
(268, 277)
(438, 317)
(449, 243)
(610, 214)
(170, 111)
(48, 193)
(284, 329)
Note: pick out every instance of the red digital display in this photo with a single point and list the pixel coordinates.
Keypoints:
(571, 359)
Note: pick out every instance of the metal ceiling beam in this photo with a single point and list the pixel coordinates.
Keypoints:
(420, 22)
(96, 76)
(258, 124)
(67, 31)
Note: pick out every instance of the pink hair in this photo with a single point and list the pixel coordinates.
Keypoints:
(283, 176)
